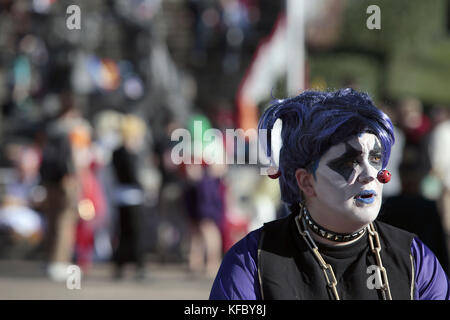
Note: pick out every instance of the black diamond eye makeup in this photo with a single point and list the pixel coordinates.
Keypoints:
(352, 157)
(345, 164)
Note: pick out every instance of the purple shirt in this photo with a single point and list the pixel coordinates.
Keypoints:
(237, 278)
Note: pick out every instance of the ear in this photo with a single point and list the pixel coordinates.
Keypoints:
(305, 182)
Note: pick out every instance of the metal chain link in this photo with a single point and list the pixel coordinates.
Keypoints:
(328, 269)
(376, 249)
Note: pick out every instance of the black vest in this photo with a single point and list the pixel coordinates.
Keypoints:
(288, 270)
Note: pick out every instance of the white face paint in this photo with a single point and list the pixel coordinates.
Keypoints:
(348, 193)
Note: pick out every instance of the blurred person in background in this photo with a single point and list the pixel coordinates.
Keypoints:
(21, 225)
(172, 223)
(237, 218)
(205, 203)
(416, 126)
(91, 205)
(60, 178)
(60, 205)
(411, 211)
(439, 151)
(128, 244)
(205, 198)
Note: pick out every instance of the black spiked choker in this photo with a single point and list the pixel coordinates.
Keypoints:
(327, 234)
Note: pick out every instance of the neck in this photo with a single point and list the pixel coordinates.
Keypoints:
(335, 222)
(329, 236)
(333, 243)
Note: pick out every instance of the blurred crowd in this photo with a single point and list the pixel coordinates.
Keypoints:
(86, 121)
(86, 173)
(82, 192)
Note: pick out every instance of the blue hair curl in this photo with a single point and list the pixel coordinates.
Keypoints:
(313, 122)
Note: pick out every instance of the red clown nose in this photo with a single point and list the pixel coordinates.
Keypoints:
(384, 176)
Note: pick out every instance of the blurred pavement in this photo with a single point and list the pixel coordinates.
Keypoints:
(26, 280)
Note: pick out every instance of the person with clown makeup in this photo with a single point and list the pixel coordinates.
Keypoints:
(335, 147)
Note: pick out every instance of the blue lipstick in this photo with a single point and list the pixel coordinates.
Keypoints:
(366, 196)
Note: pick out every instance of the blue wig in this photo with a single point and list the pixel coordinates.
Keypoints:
(313, 122)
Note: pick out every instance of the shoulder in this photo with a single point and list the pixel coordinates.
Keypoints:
(247, 247)
(237, 278)
(393, 236)
(278, 223)
(276, 237)
(385, 227)
(431, 281)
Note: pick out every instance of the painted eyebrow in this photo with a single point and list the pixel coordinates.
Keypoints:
(337, 164)
(350, 152)
(376, 151)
